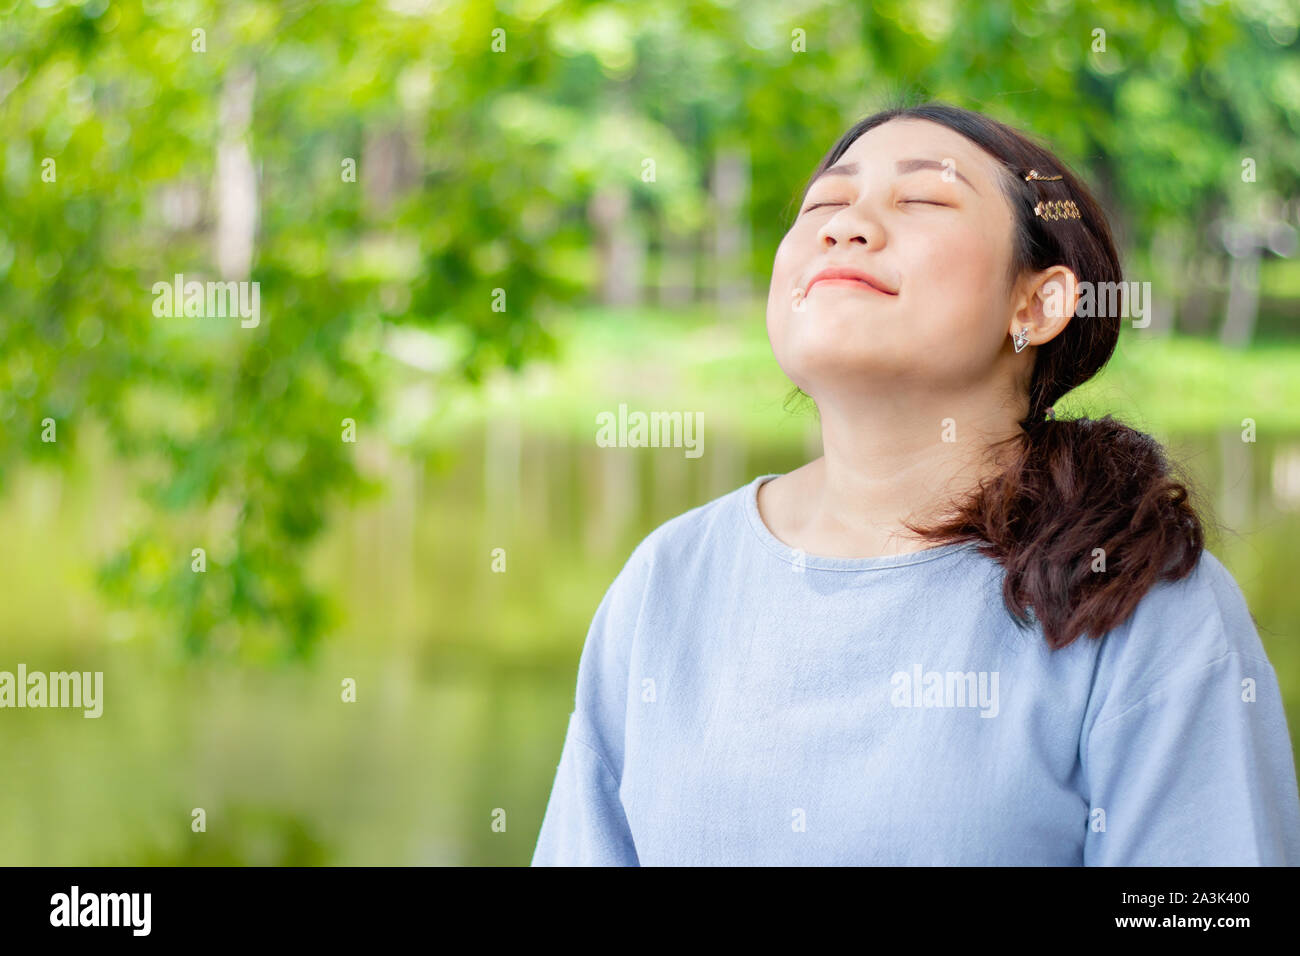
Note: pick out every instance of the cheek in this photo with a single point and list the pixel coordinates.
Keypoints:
(958, 280)
(956, 254)
(784, 266)
(785, 274)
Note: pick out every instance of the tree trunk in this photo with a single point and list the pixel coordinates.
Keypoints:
(621, 245)
(236, 180)
(731, 231)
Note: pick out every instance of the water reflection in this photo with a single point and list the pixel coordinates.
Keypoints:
(465, 676)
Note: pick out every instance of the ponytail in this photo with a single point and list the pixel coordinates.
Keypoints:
(1084, 520)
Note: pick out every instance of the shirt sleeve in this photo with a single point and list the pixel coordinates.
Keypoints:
(584, 823)
(1198, 772)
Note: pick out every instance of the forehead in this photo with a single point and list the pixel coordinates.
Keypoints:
(877, 151)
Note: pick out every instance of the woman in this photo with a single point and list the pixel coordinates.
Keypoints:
(970, 633)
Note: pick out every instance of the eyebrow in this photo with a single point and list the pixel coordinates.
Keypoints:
(903, 167)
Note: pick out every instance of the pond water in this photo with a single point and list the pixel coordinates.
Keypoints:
(464, 676)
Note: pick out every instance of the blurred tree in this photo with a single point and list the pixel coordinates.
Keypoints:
(433, 166)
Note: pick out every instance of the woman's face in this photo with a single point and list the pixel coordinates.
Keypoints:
(917, 208)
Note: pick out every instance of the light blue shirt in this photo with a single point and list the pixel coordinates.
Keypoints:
(741, 703)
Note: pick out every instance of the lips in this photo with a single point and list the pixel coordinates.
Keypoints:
(843, 272)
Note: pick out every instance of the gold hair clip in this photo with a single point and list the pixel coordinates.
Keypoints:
(1034, 174)
(1057, 209)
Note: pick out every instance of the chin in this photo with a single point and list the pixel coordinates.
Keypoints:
(838, 340)
(807, 364)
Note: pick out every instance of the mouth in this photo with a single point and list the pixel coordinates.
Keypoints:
(850, 278)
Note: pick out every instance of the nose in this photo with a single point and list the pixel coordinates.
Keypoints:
(848, 225)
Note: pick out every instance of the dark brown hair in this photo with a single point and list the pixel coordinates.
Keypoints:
(1071, 486)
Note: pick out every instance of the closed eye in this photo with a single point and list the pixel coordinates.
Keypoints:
(924, 202)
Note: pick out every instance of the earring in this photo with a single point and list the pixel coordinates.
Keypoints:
(1021, 339)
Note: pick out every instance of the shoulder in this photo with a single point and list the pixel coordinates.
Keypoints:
(1199, 617)
(679, 550)
(1179, 631)
(654, 576)
(688, 536)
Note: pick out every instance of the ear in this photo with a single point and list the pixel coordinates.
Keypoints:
(1045, 304)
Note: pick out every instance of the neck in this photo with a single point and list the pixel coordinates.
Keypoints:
(888, 459)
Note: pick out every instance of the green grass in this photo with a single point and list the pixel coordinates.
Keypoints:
(688, 359)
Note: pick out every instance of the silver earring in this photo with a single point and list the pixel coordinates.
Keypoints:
(1020, 339)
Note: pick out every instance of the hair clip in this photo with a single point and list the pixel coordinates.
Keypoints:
(1057, 209)
(1034, 174)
